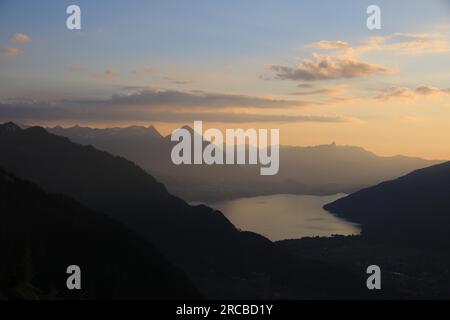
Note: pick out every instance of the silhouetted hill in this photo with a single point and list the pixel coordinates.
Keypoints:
(414, 208)
(408, 271)
(221, 260)
(326, 169)
(41, 235)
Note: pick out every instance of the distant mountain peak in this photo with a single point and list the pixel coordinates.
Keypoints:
(185, 127)
(9, 127)
(37, 129)
(188, 128)
(141, 130)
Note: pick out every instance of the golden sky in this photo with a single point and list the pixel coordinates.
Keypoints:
(313, 71)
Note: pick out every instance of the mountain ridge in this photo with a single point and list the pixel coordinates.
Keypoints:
(415, 205)
(221, 260)
(319, 170)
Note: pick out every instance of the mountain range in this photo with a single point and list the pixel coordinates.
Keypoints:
(404, 223)
(221, 260)
(325, 169)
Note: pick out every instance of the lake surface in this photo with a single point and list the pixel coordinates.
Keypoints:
(280, 217)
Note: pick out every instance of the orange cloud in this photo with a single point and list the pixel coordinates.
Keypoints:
(326, 44)
(323, 67)
(411, 93)
(310, 90)
(406, 43)
(20, 37)
(401, 43)
(11, 52)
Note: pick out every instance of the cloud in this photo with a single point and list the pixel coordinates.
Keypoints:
(179, 82)
(20, 37)
(305, 86)
(326, 44)
(159, 105)
(400, 43)
(310, 90)
(151, 97)
(406, 43)
(345, 60)
(231, 117)
(323, 67)
(45, 111)
(413, 36)
(428, 90)
(396, 92)
(410, 93)
(10, 52)
(183, 81)
(313, 92)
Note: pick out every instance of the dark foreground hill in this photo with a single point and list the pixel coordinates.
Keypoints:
(42, 234)
(405, 231)
(221, 260)
(414, 208)
(414, 272)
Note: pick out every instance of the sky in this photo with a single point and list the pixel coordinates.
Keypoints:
(309, 68)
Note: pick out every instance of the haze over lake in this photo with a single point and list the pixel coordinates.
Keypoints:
(280, 217)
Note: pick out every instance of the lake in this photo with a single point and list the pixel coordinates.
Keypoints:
(280, 217)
